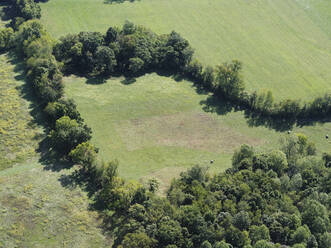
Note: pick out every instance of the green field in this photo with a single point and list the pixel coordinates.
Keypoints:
(157, 126)
(285, 45)
(36, 211)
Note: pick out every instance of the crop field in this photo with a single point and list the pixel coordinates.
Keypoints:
(285, 45)
(156, 126)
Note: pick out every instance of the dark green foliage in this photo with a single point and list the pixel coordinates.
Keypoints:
(27, 9)
(263, 244)
(105, 61)
(6, 39)
(60, 108)
(132, 50)
(135, 65)
(111, 35)
(229, 81)
(176, 53)
(257, 233)
(245, 153)
(84, 154)
(68, 134)
(45, 78)
(137, 240)
(241, 220)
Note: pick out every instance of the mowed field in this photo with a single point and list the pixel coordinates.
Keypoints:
(285, 45)
(157, 127)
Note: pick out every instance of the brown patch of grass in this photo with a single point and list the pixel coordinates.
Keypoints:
(200, 131)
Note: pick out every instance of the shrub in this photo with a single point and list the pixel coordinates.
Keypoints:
(68, 134)
(6, 38)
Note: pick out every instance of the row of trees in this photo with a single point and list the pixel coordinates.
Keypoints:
(226, 81)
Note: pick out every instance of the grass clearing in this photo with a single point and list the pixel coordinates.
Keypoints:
(37, 211)
(157, 127)
(285, 45)
(16, 124)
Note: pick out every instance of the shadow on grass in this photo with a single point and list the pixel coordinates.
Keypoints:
(118, 1)
(220, 106)
(48, 158)
(128, 80)
(96, 80)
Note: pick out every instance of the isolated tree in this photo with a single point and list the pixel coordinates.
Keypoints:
(153, 185)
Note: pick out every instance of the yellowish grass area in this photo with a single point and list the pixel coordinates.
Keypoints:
(17, 130)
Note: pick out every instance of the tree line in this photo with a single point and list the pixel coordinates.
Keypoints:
(280, 198)
(135, 50)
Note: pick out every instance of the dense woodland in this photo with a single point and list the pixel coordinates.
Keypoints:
(278, 198)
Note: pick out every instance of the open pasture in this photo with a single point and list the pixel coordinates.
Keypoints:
(156, 125)
(285, 45)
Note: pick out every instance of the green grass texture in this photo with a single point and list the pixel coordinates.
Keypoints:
(156, 126)
(285, 45)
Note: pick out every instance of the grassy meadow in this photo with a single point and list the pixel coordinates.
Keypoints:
(156, 126)
(285, 45)
(37, 211)
(16, 124)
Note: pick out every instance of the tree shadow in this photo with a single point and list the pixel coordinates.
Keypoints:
(128, 80)
(218, 105)
(96, 80)
(48, 158)
(277, 124)
(26, 92)
(221, 106)
(79, 177)
(118, 1)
